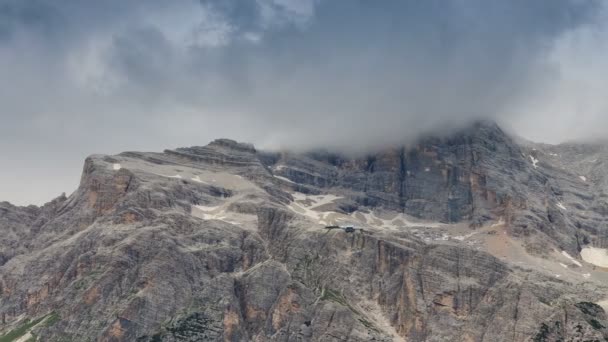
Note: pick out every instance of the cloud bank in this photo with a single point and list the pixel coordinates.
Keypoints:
(83, 77)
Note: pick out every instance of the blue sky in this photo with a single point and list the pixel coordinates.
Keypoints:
(83, 77)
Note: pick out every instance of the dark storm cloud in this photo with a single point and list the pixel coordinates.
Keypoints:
(82, 77)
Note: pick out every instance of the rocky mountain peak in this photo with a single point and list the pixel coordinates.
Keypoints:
(466, 237)
(232, 145)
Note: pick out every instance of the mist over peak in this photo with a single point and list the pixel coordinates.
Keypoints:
(83, 77)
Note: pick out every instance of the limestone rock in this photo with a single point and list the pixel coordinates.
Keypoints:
(468, 237)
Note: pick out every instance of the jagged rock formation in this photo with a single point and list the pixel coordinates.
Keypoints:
(462, 239)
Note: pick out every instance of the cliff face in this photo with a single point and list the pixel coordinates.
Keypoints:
(450, 179)
(461, 238)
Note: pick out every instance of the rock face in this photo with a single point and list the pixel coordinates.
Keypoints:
(451, 179)
(471, 237)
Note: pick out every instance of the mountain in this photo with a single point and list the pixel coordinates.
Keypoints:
(476, 236)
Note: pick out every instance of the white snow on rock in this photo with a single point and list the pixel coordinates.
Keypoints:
(285, 179)
(534, 162)
(583, 178)
(427, 169)
(207, 209)
(574, 261)
(318, 200)
(315, 208)
(306, 204)
(586, 275)
(176, 176)
(563, 265)
(116, 166)
(464, 237)
(398, 222)
(561, 206)
(219, 213)
(210, 213)
(595, 256)
(198, 179)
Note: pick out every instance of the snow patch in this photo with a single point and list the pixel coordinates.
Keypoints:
(213, 213)
(595, 256)
(116, 167)
(464, 237)
(318, 200)
(534, 162)
(574, 261)
(198, 179)
(586, 275)
(176, 176)
(207, 209)
(285, 179)
(311, 206)
(561, 206)
(563, 265)
(398, 222)
(305, 205)
(583, 178)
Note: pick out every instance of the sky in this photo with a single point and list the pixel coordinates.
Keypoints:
(81, 77)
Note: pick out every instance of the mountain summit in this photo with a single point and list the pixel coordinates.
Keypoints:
(468, 237)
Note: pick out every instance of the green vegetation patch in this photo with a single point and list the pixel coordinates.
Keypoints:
(542, 334)
(334, 296)
(20, 331)
(51, 319)
(596, 325)
(589, 308)
(195, 323)
(16, 333)
(369, 325)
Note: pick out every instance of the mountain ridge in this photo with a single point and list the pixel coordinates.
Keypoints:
(471, 237)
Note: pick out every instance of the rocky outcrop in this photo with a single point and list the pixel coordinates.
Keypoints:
(450, 179)
(208, 244)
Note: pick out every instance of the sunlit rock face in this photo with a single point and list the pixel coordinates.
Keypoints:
(469, 237)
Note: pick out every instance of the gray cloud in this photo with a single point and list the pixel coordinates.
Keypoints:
(83, 77)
